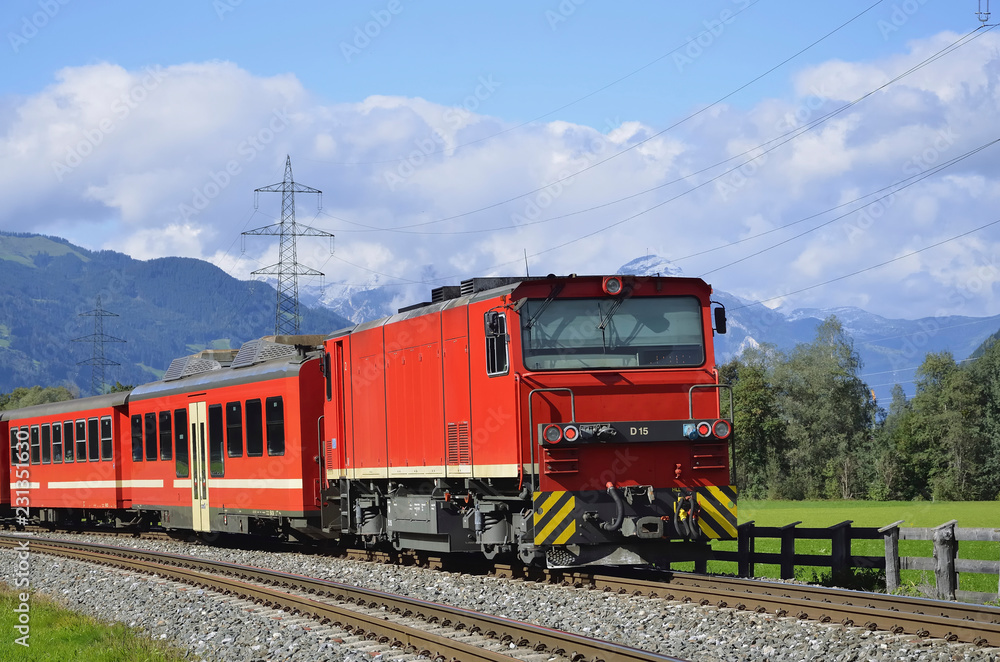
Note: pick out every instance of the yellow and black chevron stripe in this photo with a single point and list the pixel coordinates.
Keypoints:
(717, 507)
(554, 518)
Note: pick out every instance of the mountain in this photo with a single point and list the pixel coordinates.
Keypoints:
(171, 307)
(162, 309)
(359, 303)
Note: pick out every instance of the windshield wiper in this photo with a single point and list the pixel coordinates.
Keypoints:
(553, 293)
(611, 312)
(607, 320)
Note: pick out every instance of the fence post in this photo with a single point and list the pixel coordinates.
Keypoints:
(788, 550)
(945, 551)
(744, 549)
(892, 565)
(840, 538)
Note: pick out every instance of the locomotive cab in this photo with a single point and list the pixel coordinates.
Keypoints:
(627, 443)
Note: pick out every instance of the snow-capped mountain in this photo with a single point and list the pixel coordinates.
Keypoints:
(650, 265)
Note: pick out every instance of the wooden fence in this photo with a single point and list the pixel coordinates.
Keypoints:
(945, 562)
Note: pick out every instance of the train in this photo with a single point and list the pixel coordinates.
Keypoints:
(564, 421)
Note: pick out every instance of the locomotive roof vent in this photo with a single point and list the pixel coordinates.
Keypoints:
(467, 288)
(260, 350)
(445, 293)
(186, 366)
(474, 285)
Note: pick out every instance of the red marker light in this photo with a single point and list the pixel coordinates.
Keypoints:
(571, 432)
(704, 429)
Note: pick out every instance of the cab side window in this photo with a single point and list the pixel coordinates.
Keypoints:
(497, 359)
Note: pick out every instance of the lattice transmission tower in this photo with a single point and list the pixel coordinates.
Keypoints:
(98, 361)
(288, 269)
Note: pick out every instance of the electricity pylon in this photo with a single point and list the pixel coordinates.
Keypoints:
(98, 361)
(288, 269)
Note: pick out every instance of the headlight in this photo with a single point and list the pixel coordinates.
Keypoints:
(612, 285)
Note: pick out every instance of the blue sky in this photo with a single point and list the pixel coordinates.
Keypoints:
(545, 54)
(452, 138)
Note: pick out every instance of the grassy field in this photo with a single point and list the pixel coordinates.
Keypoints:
(873, 514)
(57, 635)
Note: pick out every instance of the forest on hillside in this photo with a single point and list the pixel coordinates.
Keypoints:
(806, 425)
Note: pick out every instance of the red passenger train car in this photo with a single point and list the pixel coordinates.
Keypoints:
(229, 442)
(75, 470)
(570, 420)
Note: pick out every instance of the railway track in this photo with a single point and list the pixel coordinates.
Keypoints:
(110, 533)
(431, 629)
(951, 621)
(928, 618)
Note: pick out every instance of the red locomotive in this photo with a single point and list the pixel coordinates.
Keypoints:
(570, 421)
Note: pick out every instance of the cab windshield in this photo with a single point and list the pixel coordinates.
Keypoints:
(636, 332)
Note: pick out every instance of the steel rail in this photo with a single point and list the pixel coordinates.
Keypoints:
(952, 621)
(572, 646)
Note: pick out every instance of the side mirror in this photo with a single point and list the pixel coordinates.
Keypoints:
(492, 324)
(720, 320)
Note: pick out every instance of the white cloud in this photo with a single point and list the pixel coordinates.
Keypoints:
(174, 153)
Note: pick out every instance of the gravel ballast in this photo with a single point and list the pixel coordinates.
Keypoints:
(216, 628)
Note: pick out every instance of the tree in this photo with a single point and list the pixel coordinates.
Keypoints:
(758, 428)
(986, 372)
(36, 395)
(829, 413)
(891, 472)
(946, 446)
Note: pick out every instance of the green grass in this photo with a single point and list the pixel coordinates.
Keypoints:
(57, 635)
(876, 514)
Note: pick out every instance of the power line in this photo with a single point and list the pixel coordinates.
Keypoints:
(793, 134)
(874, 266)
(655, 135)
(932, 171)
(542, 116)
